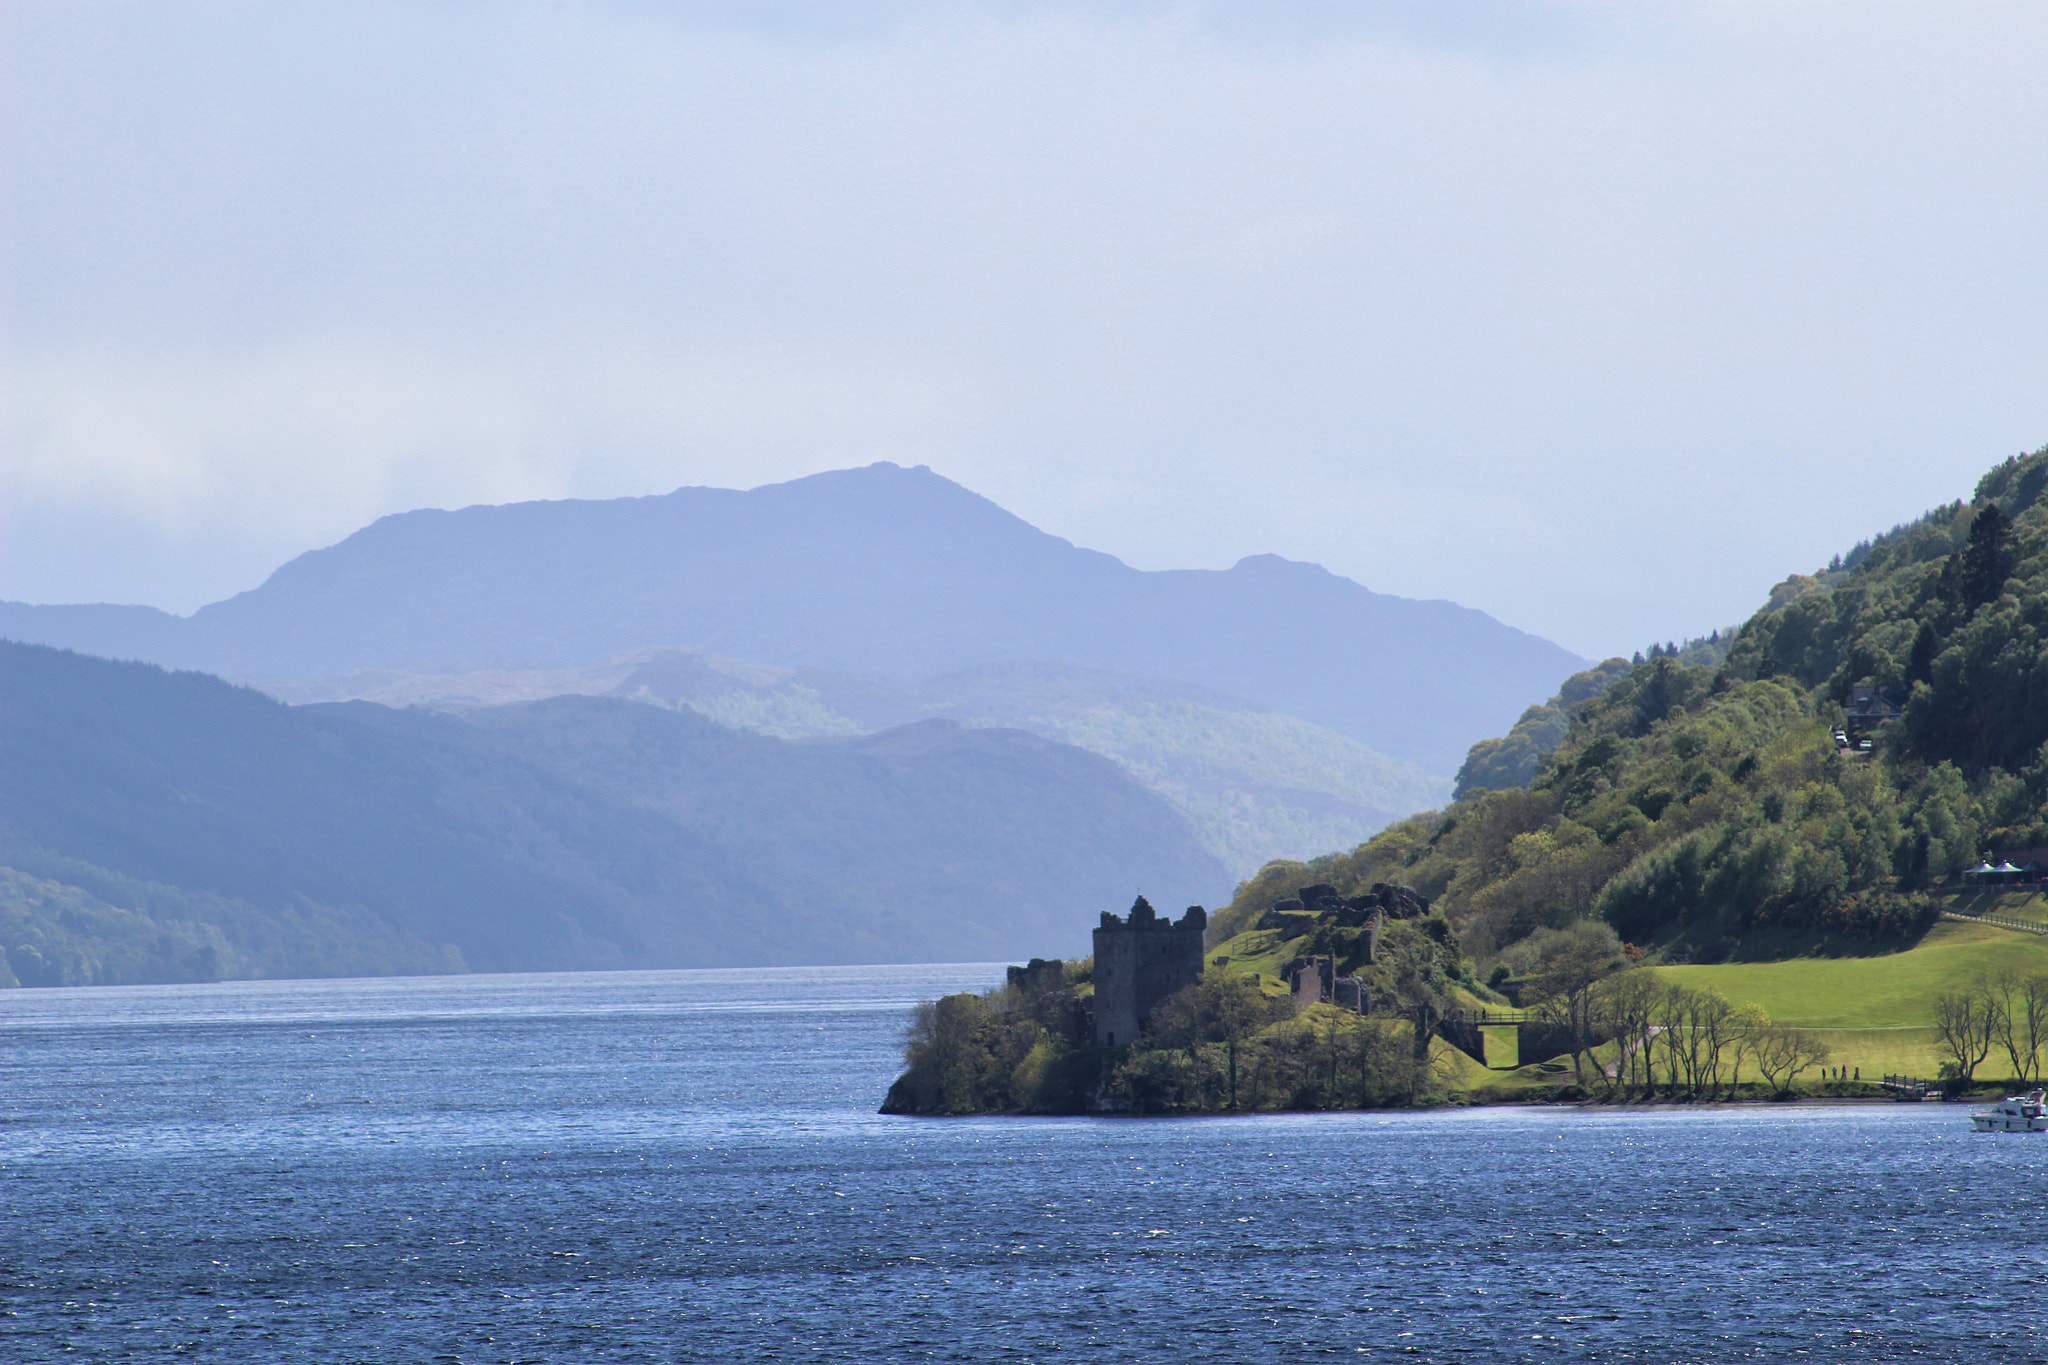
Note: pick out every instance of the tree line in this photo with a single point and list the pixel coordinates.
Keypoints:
(2004, 1012)
(1672, 1041)
(1631, 1034)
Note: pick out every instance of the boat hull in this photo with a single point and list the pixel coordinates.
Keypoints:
(2016, 1114)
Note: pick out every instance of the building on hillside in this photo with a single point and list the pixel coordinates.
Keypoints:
(1872, 704)
(1140, 961)
(2010, 867)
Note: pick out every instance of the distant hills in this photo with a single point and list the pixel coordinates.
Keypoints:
(882, 572)
(1255, 784)
(165, 826)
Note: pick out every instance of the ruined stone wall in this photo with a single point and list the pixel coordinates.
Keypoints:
(1314, 980)
(1138, 963)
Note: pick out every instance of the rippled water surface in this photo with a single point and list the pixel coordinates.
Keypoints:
(672, 1166)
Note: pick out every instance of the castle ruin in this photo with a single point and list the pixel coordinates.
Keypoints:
(1140, 961)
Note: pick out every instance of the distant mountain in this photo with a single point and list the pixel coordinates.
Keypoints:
(1255, 784)
(172, 826)
(879, 571)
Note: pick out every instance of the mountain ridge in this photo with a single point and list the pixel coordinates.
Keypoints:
(880, 570)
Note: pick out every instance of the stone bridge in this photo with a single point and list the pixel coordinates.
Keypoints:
(1536, 1039)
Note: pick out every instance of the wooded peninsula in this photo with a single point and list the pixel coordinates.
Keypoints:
(1803, 856)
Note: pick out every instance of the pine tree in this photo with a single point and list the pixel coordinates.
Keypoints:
(1987, 561)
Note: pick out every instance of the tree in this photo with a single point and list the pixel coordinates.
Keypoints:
(1422, 989)
(1965, 1023)
(1662, 1038)
(2020, 1020)
(1562, 988)
(1920, 662)
(1630, 1003)
(1224, 1008)
(952, 1066)
(1781, 1053)
(1987, 560)
(1382, 1074)
(2031, 1012)
(1748, 1023)
(1711, 1030)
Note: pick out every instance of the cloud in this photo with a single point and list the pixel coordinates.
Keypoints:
(1600, 319)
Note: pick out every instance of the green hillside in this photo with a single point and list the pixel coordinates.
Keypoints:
(332, 839)
(1708, 813)
(1895, 989)
(925, 842)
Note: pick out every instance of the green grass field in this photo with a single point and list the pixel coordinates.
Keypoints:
(1871, 992)
(1263, 951)
(2027, 906)
(1876, 1013)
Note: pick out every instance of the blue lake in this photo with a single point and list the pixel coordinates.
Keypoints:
(664, 1166)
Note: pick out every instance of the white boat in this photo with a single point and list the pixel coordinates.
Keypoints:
(2014, 1114)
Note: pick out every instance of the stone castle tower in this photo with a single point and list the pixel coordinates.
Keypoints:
(1138, 963)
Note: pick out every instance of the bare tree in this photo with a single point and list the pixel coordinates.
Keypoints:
(1629, 1001)
(1674, 1035)
(1747, 1023)
(1713, 1035)
(2020, 1020)
(1564, 988)
(1781, 1053)
(1965, 1024)
(2030, 1004)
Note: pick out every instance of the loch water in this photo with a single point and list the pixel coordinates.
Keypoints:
(675, 1166)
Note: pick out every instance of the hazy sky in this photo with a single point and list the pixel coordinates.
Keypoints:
(1601, 318)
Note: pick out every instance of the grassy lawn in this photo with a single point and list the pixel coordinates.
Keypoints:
(1867, 993)
(2028, 906)
(1464, 1074)
(1883, 1052)
(1503, 1046)
(1263, 951)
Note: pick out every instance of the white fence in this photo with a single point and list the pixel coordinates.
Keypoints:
(2001, 923)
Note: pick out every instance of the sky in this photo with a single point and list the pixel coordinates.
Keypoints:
(1600, 318)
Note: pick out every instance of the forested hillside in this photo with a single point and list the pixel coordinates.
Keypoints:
(1710, 813)
(328, 839)
(170, 826)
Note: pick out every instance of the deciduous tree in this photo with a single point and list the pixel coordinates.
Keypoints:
(1965, 1024)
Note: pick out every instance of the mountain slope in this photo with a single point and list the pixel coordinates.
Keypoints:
(1734, 811)
(880, 571)
(261, 839)
(961, 843)
(182, 780)
(1255, 784)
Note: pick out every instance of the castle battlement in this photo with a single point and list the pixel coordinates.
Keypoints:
(1139, 961)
